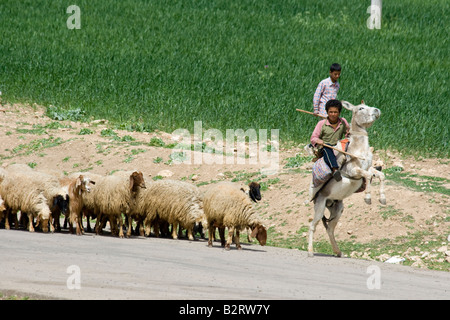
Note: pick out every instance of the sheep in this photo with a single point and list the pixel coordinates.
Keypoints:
(88, 198)
(227, 206)
(19, 192)
(77, 189)
(115, 195)
(57, 197)
(176, 202)
(253, 191)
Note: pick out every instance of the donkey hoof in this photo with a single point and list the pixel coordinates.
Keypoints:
(383, 201)
(368, 200)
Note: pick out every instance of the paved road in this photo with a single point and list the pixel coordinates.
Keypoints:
(38, 265)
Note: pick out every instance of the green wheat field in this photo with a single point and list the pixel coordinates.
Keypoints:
(163, 64)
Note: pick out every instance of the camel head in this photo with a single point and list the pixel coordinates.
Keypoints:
(363, 115)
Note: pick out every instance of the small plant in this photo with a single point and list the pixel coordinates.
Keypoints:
(59, 114)
(108, 133)
(85, 131)
(156, 142)
(157, 160)
(32, 165)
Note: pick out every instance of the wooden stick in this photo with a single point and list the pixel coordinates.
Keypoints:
(314, 114)
(344, 152)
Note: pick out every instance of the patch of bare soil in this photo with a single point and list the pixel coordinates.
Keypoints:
(28, 136)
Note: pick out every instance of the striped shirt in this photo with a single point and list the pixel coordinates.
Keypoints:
(326, 90)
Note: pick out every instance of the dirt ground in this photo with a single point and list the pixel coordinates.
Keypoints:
(26, 137)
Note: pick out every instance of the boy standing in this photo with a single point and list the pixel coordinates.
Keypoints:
(327, 90)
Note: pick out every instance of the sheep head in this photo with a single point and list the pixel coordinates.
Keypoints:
(255, 191)
(62, 202)
(137, 181)
(260, 233)
(43, 213)
(82, 184)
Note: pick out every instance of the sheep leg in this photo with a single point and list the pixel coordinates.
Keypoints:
(30, 222)
(79, 222)
(237, 240)
(211, 231)
(7, 227)
(174, 230)
(190, 234)
(230, 238)
(319, 208)
(147, 226)
(120, 226)
(335, 213)
(130, 221)
(16, 222)
(98, 224)
(222, 236)
(88, 218)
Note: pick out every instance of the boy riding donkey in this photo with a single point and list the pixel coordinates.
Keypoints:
(328, 132)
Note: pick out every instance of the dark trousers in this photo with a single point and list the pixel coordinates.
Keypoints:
(329, 157)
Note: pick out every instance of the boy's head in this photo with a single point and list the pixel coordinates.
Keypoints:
(335, 72)
(333, 104)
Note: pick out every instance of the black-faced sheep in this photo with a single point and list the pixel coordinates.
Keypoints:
(227, 206)
(177, 202)
(115, 195)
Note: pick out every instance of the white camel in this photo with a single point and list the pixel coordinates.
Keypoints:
(353, 169)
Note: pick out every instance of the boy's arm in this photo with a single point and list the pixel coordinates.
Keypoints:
(315, 137)
(347, 127)
(317, 96)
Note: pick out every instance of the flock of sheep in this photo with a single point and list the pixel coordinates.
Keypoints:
(41, 198)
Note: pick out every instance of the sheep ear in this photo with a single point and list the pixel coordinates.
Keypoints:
(93, 182)
(131, 182)
(347, 105)
(78, 183)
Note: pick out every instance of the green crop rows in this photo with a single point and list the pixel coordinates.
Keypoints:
(148, 65)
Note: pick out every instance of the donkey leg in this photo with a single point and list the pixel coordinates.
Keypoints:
(319, 208)
(335, 213)
(380, 176)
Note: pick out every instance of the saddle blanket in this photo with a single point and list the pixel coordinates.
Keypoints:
(321, 172)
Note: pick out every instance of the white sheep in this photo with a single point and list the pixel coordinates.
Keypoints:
(177, 202)
(57, 197)
(115, 195)
(227, 206)
(19, 192)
